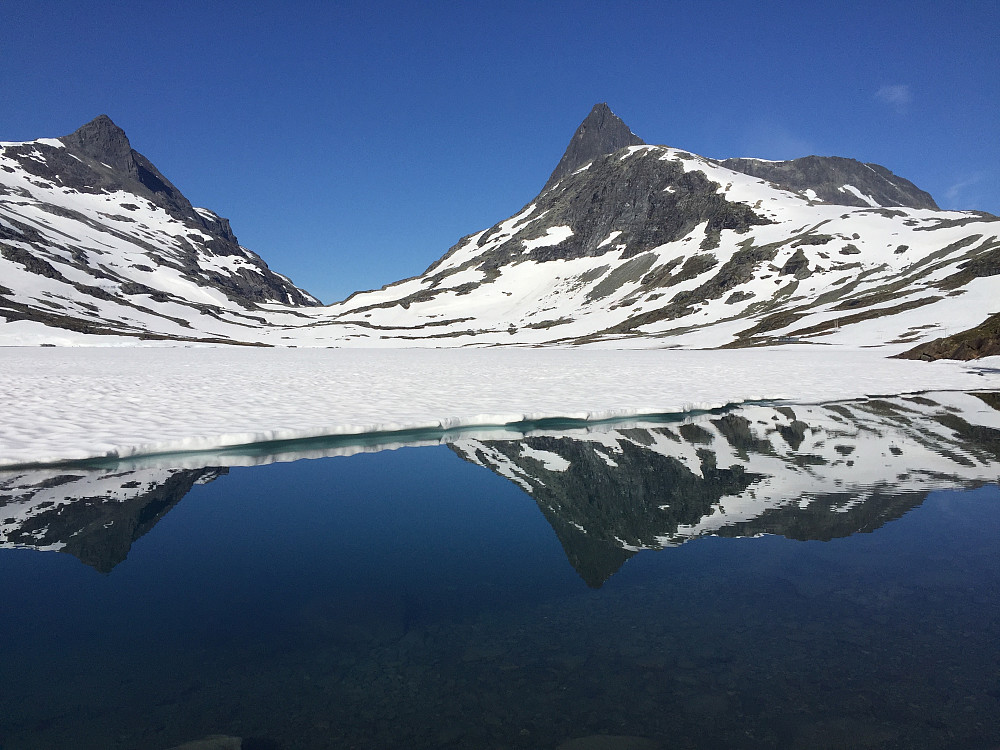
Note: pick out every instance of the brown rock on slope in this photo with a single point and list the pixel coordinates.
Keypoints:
(981, 341)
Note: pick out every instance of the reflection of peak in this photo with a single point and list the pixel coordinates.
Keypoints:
(594, 559)
(96, 517)
(812, 472)
(601, 497)
(831, 516)
(807, 473)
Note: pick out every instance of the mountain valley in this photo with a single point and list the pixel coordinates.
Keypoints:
(628, 245)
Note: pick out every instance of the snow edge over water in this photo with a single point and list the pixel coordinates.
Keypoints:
(72, 405)
(396, 434)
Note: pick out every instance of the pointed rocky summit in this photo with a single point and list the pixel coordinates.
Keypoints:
(102, 140)
(602, 132)
(112, 164)
(98, 159)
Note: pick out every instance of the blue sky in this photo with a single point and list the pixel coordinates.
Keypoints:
(351, 144)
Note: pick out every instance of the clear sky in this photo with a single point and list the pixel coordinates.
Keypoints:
(351, 144)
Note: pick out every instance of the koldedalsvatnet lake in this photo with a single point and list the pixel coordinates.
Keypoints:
(768, 576)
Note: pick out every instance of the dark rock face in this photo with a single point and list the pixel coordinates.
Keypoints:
(602, 132)
(647, 200)
(101, 139)
(98, 157)
(826, 175)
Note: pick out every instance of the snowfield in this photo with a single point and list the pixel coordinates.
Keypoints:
(63, 404)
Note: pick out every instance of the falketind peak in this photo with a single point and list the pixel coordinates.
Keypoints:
(602, 132)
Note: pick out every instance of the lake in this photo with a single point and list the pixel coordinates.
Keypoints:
(768, 576)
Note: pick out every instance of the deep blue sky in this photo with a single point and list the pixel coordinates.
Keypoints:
(351, 144)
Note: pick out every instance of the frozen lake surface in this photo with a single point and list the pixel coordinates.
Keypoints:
(76, 403)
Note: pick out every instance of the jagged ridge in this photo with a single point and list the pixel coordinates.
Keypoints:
(99, 241)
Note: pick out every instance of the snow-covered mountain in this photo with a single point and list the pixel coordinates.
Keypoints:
(95, 241)
(627, 245)
(654, 246)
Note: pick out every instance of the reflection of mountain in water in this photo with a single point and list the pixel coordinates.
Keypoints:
(805, 472)
(93, 515)
(808, 472)
(603, 496)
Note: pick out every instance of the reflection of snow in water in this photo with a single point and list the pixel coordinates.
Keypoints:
(827, 459)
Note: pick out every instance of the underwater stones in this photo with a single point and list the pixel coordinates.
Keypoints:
(609, 742)
(212, 742)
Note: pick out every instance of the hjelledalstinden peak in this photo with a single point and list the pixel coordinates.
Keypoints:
(101, 139)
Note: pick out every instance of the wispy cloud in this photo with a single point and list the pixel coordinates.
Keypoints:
(771, 140)
(964, 194)
(897, 96)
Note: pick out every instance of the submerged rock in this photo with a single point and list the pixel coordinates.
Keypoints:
(212, 742)
(224, 742)
(609, 742)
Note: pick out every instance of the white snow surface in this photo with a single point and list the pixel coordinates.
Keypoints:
(858, 194)
(76, 403)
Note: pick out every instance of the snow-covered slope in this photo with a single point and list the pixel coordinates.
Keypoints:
(65, 405)
(628, 245)
(95, 241)
(654, 246)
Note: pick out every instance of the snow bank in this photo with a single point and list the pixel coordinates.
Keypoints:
(69, 404)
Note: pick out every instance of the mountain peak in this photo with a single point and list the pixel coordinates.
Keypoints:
(101, 139)
(602, 132)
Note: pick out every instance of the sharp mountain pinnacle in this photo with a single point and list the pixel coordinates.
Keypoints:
(102, 140)
(602, 132)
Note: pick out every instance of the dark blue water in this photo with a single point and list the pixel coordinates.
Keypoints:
(411, 599)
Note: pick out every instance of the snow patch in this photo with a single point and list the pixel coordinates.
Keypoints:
(858, 194)
(610, 238)
(552, 236)
(549, 460)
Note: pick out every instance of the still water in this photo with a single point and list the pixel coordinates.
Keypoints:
(767, 577)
